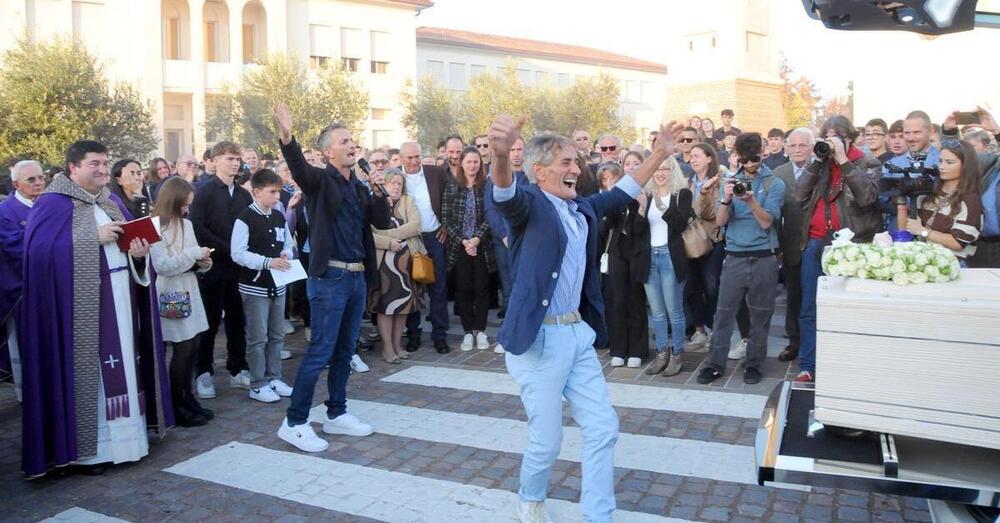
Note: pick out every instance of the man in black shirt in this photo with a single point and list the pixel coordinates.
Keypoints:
(727, 126)
(775, 149)
(217, 203)
(876, 131)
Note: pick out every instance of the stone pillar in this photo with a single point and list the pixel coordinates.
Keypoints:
(197, 8)
(236, 35)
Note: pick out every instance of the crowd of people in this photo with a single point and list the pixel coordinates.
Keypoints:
(670, 248)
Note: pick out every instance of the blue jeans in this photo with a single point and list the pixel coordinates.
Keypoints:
(666, 299)
(438, 293)
(562, 362)
(337, 302)
(811, 271)
(503, 268)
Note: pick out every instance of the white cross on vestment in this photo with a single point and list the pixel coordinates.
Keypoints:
(111, 361)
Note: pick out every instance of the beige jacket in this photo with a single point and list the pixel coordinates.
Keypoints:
(406, 210)
(705, 205)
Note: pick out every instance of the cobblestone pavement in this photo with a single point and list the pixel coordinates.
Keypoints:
(449, 429)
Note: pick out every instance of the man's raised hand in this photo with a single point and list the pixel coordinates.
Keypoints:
(504, 131)
(666, 140)
(284, 121)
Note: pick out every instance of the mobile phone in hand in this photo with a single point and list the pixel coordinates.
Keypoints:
(967, 117)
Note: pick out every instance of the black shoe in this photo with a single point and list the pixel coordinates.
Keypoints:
(442, 347)
(751, 376)
(192, 404)
(708, 375)
(501, 313)
(186, 418)
(790, 353)
(412, 344)
(90, 470)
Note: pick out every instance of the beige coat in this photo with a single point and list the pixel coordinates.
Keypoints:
(409, 231)
(705, 202)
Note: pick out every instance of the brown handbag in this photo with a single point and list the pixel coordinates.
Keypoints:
(423, 268)
(696, 240)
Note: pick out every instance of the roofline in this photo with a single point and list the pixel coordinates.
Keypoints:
(637, 65)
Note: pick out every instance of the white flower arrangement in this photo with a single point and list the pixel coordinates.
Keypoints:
(901, 263)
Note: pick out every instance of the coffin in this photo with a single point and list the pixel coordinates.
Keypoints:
(918, 360)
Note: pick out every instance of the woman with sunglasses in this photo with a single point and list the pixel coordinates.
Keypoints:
(952, 215)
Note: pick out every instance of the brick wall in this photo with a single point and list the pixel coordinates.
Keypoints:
(757, 104)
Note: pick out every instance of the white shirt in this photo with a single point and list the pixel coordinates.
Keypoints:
(416, 187)
(26, 201)
(658, 228)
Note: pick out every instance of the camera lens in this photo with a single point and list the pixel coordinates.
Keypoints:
(739, 188)
(822, 150)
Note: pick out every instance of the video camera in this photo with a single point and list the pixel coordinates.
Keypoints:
(916, 179)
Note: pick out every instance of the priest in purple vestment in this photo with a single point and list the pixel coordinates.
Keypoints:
(92, 383)
(29, 181)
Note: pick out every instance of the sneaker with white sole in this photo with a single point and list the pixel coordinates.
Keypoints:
(533, 512)
(467, 342)
(482, 341)
(289, 328)
(264, 394)
(240, 381)
(205, 387)
(302, 437)
(358, 364)
(280, 388)
(617, 362)
(286, 354)
(347, 424)
(498, 348)
(634, 363)
(699, 342)
(739, 351)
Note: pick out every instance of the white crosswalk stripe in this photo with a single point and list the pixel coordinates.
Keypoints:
(362, 491)
(682, 457)
(622, 394)
(80, 515)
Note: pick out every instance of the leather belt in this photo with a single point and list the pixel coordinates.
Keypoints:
(353, 267)
(563, 319)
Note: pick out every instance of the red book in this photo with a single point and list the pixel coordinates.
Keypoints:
(142, 228)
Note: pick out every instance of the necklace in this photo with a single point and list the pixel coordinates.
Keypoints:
(659, 203)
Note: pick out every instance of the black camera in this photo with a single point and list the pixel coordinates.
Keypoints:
(741, 186)
(916, 179)
(823, 150)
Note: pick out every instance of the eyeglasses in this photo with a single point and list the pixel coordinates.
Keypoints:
(752, 159)
(873, 135)
(686, 140)
(483, 145)
(609, 148)
(380, 162)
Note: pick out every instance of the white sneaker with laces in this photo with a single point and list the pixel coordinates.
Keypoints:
(533, 512)
(482, 341)
(205, 386)
(634, 363)
(498, 348)
(467, 342)
(280, 388)
(240, 381)
(739, 351)
(286, 354)
(302, 437)
(264, 394)
(358, 364)
(347, 424)
(617, 362)
(699, 342)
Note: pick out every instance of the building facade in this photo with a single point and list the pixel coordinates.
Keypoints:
(453, 57)
(179, 53)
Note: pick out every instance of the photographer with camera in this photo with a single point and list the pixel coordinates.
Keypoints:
(919, 161)
(835, 192)
(750, 210)
(952, 215)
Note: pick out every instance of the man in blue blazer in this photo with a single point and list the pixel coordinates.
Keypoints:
(556, 309)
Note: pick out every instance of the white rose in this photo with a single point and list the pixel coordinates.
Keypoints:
(932, 271)
(917, 277)
(900, 278)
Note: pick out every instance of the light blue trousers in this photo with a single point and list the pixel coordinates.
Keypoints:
(562, 362)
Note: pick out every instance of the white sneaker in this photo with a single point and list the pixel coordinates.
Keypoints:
(347, 424)
(205, 386)
(617, 362)
(467, 342)
(289, 328)
(302, 437)
(240, 381)
(309, 334)
(498, 348)
(533, 512)
(280, 388)
(264, 394)
(358, 364)
(699, 342)
(482, 341)
(739, 351)
(286, 354)
(634, 363)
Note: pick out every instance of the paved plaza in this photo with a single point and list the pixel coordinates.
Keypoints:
(449, 431)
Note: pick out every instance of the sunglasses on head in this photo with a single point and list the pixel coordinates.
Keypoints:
(608, 148)
(752, 159)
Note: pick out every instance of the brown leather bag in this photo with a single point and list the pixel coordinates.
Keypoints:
(423, 268)
(696, 240)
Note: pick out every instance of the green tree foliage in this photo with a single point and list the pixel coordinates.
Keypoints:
(799, 96)
(433, 111)
(243, 114)
(53, 93)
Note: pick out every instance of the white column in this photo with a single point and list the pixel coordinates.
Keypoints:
(236, 34)
(198, 60)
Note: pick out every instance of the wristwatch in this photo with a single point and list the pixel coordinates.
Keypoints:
(924, 233)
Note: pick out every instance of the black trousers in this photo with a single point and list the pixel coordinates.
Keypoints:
(472, 281)
(626, 313)
(182, 370)
(793, 291)
(220, 292)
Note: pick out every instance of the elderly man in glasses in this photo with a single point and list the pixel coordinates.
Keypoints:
(685, 143)
(482, 143)
(610, 147)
